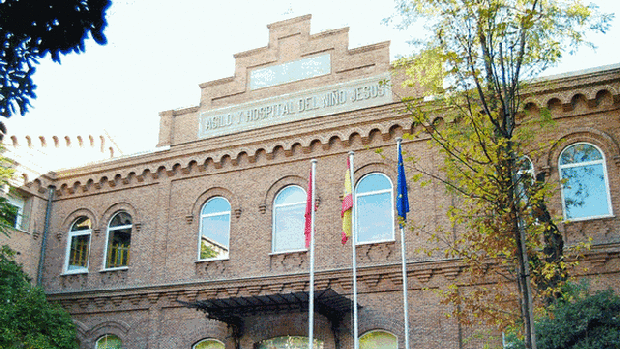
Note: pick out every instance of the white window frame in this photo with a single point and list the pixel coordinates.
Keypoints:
(273, 220)
(107, 240)
(522, 173)
(70, 235)
(603, 163)
(376, 192)
(529, 171)
(215, 214)
(19, 202)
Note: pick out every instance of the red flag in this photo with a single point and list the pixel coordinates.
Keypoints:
(308, 215)
(347, 205)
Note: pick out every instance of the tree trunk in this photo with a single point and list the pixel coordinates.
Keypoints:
(524, 283)
(523, 260)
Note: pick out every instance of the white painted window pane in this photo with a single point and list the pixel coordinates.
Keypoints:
(585, 191)
(78, 252)
(291, 195)
(374, 217)
(214, 236)
(289, 227)
(118, 248)
(525, 178)
(121, 219)
(374, 209)
(373, 182)
(19, 203)
(581, 152)
(216, 205)
(82, 223)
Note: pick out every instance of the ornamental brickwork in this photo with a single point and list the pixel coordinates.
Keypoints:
(164, 192)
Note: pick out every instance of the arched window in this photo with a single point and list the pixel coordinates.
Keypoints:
(214, 229)
(209, 344)
(378, 340)
(109, 341)
(288, 219)
(374, 209)
(585, 189)
(119, 240)
(78, 246)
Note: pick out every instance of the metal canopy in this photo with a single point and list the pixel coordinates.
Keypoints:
(233, 309)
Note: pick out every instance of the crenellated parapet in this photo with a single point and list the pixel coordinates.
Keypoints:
(99, 143)
(36, 158)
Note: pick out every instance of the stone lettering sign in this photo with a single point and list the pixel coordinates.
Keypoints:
(353, 95)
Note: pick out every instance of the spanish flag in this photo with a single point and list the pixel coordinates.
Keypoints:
(347, 206)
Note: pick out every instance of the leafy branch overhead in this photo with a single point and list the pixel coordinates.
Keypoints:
(474, 66)
(29, 30)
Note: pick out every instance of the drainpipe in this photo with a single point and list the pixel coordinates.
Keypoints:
(46, 227)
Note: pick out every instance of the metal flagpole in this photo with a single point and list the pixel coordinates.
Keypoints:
(354, 236)
(403, 255)
(311, 295)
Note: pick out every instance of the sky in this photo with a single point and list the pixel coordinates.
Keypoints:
(159, 51)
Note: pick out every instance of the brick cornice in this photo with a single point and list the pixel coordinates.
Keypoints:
(371, 279)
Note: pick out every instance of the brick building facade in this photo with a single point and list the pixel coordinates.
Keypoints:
(131, 245)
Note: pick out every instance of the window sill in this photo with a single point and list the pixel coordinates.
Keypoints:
(583, 219)
(113, 269)
(391, 241)
(289, 252)
(74, 272)
(212, 260)
(20, 230)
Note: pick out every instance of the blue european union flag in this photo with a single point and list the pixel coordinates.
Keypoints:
(402, 200)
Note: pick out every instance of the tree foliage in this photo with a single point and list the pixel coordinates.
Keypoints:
(29, 30)
(207, 251)
(7, 211)
(27, 320)
(587, 322)
(579, 320)
(473, 65)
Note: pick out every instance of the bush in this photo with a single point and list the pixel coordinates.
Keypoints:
(27, 319)
(579, 320)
